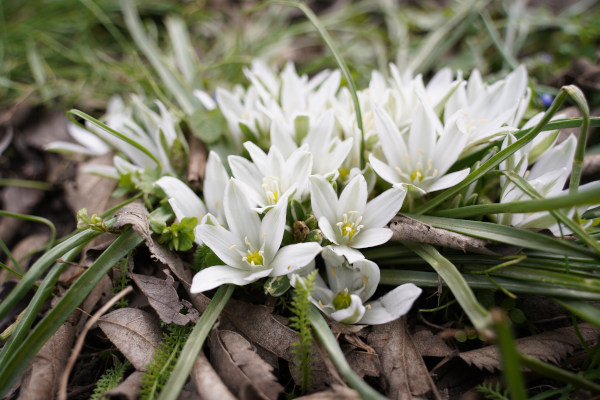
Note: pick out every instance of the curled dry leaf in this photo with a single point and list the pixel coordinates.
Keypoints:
(134, 332)
(134, 214)
(408, 229)
(40, 380)
(129, 388)
(240, 367)
(163, 298)
(404, 374)
(207, 382)
(550, 346)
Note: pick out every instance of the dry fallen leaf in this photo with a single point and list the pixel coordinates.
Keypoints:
(40, 380)
(134, 332)
(548, 346)
(240, 367)
(207, 382)
(404, 374)
(430, 345)
(336, 392)
(163, 298)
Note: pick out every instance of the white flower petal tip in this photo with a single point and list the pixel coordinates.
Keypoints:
(392, 305)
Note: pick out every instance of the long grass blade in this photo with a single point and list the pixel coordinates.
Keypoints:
(41, 265)
(508, 235)
(194, 344)
(511, 366)
(337, 356)
(16, 362)
(478, 315)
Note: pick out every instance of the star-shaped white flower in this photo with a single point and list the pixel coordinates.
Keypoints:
(251, 248)
(421, 157)
(271, 177)
(350, 222)
(185, 203)
(345, 296)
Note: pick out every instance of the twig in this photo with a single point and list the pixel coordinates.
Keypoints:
(64, 378)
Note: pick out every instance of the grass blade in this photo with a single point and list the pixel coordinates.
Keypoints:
(194, 344)
(456, 283)
(16, 362)
(337, 356)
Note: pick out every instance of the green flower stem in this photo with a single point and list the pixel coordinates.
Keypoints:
(15, 362)
(457, 284)
(341, 63)
(194, 344)
(19, 270)
(337, 356)
(41, 265)
(577, 95)
(495, 160)
(511, 369)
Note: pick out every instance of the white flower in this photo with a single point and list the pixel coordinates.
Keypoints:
(547, 176)
(421, 158)
(317, 137)
(250, 249)
(350, 222)
(185, 203)
(488, 110)
(345, 296)
(271, 177)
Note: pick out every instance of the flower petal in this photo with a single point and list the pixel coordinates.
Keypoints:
(183, 200)
(370, 237)
(352, 255)
(323, 199)
(449, 180)
(222, 242)
(386, 172)
(354, 196)
(272, 227)
(392, 305)
(293, 257)
(215, 181)
(352, 314)
(384, 207)
(212, 277)
(241, 218)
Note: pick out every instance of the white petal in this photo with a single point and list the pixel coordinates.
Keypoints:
(272, 227)
(352, 314)
(331, 233)
(391, 140)
(241, 218)
(449, 180)
(370, 276)
(258, 156)
(422, 134)
(392, 305)
(293, 257)
(352, 255)
(223, 242)
(383, 208)
(323, 199)
(354, 196)
(183, 200)
(370, 238)
(215, 181)
(212, 277)
(386, 172)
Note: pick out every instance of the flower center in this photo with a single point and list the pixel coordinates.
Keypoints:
(417, 174)
(253, 257)
(342, 300)
(350, 226)
(273, 187)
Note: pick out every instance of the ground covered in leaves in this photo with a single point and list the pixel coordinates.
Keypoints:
(431, 353)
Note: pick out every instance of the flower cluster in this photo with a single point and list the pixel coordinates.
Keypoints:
(295, 197)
